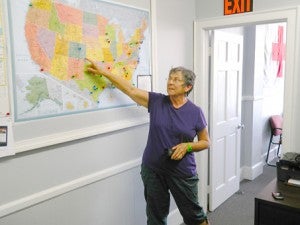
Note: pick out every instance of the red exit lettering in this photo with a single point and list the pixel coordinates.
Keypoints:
(237, 6)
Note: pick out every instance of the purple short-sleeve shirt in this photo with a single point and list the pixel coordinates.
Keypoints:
(168, 127)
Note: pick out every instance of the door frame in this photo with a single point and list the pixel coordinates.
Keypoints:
(201, 68)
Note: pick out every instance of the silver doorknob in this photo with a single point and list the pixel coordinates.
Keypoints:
(240, 126)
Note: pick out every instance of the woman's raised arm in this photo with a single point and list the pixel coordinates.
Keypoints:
(140, 96)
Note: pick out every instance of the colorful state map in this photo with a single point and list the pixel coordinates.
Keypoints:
(59, 37)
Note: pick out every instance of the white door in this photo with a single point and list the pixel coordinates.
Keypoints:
(225, 116)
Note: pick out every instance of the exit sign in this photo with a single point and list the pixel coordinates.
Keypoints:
(237, 6)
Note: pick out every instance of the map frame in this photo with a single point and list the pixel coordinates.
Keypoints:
(16, 96)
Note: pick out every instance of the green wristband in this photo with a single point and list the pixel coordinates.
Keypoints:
(189, 148)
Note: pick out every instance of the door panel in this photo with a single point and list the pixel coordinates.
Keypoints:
(225, 97)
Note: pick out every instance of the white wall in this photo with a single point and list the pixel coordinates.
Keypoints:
(271, 86)
(174, 26)
(95, 180)
(258, 104)
(80, 182)
(250, 100)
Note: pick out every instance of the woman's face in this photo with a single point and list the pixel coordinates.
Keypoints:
(176, 85)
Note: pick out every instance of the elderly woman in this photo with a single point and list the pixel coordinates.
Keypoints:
(168, 164)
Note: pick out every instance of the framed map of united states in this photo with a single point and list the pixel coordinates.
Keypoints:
(50, 41)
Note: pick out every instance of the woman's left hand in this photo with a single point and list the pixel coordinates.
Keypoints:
(179, 151)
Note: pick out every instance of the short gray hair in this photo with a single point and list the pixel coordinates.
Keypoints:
(188, 76)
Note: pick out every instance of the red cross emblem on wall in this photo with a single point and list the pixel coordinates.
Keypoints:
(278, 51)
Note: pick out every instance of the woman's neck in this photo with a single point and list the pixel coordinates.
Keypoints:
(178, 101)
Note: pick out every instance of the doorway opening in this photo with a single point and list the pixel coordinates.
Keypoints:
(202, 91)
(260, 95)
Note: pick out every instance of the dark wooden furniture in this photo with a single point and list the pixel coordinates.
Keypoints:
(278, 212)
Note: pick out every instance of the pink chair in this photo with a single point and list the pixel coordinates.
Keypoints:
(276, 131)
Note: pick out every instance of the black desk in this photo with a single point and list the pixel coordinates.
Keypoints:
(278, 212)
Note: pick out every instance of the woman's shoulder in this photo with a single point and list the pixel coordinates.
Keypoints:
(192, 105)
(157, 96)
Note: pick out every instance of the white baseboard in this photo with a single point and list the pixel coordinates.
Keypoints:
(250, 173)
